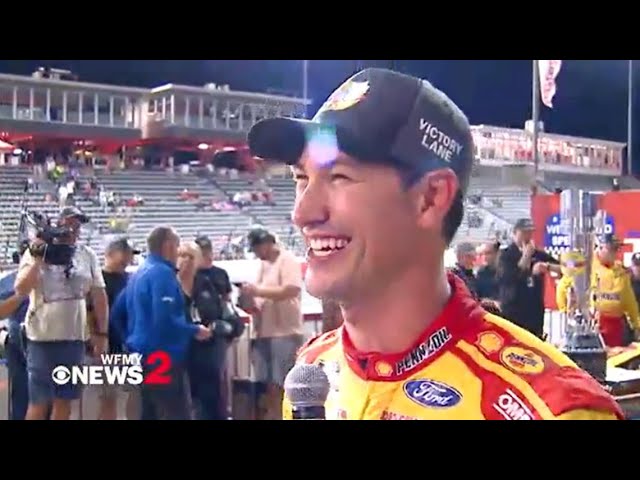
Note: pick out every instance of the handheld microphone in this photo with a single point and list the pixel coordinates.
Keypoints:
(307, 388)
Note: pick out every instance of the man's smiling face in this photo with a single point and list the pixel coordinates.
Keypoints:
(358, 221)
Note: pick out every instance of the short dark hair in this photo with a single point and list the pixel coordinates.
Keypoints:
(453, 219)
(157, 238)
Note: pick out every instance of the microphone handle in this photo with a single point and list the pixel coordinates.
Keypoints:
(308, 413)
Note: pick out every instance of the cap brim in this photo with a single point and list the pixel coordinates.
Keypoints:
(280, 139)
(527, 227)
(284, 140)
(82, 218)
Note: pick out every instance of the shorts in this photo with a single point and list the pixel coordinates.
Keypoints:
(42, 358)
(272, 358)
(105, 390)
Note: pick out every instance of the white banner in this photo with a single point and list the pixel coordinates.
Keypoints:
(548, 71)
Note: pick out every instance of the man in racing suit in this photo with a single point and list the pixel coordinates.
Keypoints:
(612, 296)
(381, 172)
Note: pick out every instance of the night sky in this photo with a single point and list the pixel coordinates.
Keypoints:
(591, 100)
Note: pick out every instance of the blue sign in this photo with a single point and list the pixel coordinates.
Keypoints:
(554, 238)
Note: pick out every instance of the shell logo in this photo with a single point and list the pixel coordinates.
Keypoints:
(384, 369)
(489, 342)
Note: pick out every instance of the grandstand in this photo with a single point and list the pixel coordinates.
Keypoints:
(488, 216)
(162, 205)
(118, 123)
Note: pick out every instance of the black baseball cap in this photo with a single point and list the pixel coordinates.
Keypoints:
(524, 224)
(73, 212)
(608, 239)
(204, 242)
(121, 245)
(378, 116)
(257, 236)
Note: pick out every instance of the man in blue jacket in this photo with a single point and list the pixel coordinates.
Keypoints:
(14, 307)
(156, 322)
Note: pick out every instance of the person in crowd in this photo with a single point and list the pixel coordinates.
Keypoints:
(635, 275)
(521, 270)
(56, 321)
(378, 204)
(278, 325)
(612, 298)
(487, 276)
(208, 360)
(189, 257)
(465, 262)
(14, 307)
(156, 322)
(118, 256)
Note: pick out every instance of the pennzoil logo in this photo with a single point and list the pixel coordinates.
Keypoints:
(489, 342)
(424, 351)
(348, 95)
(522, 360)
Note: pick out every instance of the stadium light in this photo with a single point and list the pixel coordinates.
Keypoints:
(305, 85)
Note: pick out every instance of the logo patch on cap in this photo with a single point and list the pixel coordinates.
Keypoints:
(346, 96)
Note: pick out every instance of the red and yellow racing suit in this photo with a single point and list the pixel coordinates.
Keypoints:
(468, 364)
(613, 300)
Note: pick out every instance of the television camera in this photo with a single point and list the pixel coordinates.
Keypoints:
(56, 245)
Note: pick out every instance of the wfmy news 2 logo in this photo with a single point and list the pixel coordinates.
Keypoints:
(118, 369)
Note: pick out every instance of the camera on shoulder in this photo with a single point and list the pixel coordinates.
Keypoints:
(56, 246)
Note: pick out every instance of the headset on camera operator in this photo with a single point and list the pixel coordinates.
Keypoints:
(58, 275)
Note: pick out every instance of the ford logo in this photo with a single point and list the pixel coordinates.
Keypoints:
(430, 393)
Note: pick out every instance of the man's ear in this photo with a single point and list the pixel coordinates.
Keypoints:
(435, 194)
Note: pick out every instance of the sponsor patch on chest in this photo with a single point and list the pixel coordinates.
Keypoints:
(432, 394)
(425, 350)
(511, 407)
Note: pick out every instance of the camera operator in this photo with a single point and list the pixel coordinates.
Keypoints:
(14, 307)
(207, 360)
(58, 275)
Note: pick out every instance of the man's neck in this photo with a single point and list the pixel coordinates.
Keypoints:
(206, 264)
(112, 269)
(186, 278)
(273, 255)
(392, 320)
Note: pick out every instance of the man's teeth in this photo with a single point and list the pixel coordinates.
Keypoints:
(326, 246)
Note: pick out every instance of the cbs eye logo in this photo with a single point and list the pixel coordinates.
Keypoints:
(61, 375)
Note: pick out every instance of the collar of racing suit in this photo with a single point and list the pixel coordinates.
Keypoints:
(459, 315)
